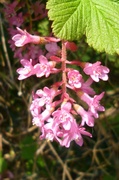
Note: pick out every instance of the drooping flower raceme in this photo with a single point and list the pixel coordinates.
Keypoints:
(55, 111)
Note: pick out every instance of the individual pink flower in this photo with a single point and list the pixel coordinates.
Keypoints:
(27, 70)
(83, 132)
(96, 71)
(24, 38)
(86, 86)
(86, 116)
(40, 120)
(79, 131)
(44, 67)
(52, 48)
(75, 78)
(93, 103)
(72, 134)
(47, 95)
(47, 130)
(63, 116)
(36, 107)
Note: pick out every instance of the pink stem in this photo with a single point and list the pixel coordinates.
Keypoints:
(63, 58)
(78, 63)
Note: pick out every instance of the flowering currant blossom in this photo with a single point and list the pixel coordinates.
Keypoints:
(64, 127)
(36, 107)
(39, 69)
(54, 110)
(51, 131)
(47, 130)
(24, 38)
(27, 71)
(96, 71)
(40, 120)
(44, 67)
(86, 86)
(68, 130)
(93, 103)
(42, 106)
(75, 78)
(46, 95)
(86, 116)
(43, 97)
(52, 48)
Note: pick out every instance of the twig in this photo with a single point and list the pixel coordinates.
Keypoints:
(5, 49)
(21, 134)
(64, 166)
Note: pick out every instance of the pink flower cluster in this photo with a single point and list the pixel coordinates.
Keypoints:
(56, 124)
(60, 115)
(42, 68)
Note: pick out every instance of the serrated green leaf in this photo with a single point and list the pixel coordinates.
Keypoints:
(98, 20)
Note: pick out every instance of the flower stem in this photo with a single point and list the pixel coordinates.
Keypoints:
(63, 58)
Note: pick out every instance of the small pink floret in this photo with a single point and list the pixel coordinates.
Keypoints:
(75, 78)
(96, 71)
(93, 103)
(24, 38)
(27, 69)
(52, 48)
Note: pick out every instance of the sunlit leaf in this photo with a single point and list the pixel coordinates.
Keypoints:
(97, 20)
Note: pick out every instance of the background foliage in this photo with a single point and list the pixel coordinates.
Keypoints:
(22, 155)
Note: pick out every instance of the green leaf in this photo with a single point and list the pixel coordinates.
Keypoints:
(40, 161)
(28, 148)
(43, 27)
(3, 164)
(98, 20)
